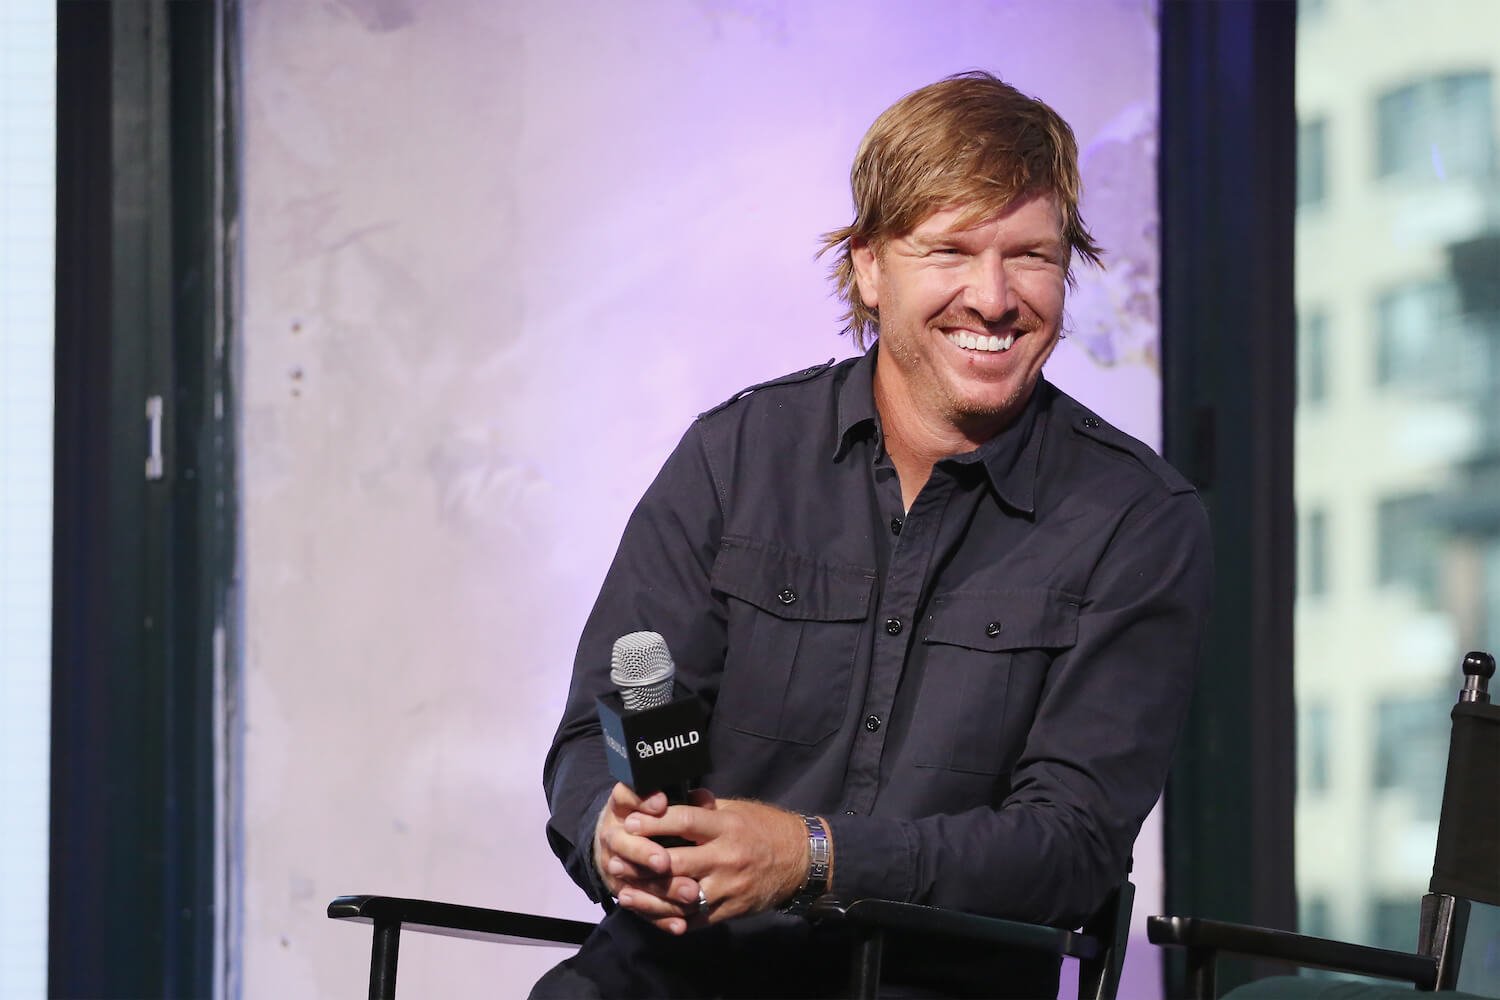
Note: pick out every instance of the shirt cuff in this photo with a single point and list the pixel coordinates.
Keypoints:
(584, 845)
(873, 857)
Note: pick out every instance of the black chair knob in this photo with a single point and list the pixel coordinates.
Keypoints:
(1479, 667)
(1479, 664)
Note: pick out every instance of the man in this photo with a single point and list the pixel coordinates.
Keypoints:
(946, 617)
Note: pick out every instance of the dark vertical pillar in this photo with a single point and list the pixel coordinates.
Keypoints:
(1228, 192)
(83, 637)
(199, 487)
(141, 562)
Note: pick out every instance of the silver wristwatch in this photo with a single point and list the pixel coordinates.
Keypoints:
(820, 854)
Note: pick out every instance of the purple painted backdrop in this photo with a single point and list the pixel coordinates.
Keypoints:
(496, 257)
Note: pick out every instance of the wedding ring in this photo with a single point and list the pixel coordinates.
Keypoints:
(702, 900)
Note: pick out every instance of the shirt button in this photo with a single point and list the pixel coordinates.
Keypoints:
(850, 812)
(787, 596)
(893, 626)
(896, 525)
(872, 723)
(992, 629)
(1092, 423)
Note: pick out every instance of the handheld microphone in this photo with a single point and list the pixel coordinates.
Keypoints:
(641, 669)
(655, 735)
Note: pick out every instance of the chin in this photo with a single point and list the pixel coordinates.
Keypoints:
(986, 411)
(989, 405)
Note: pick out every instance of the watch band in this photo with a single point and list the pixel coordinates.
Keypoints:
(819, 866)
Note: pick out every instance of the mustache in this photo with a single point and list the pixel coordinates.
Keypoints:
(1019, 320)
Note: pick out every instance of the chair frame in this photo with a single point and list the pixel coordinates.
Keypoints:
(1099, 946)
(389, 915)
(1444, 916)
(1434, 967)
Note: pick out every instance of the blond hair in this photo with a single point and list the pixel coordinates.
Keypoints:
(968, 140)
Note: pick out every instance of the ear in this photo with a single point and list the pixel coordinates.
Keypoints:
(866, 272)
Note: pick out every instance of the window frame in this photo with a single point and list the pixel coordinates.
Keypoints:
(1228, 197)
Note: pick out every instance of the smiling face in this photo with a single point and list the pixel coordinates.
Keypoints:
(968, 313)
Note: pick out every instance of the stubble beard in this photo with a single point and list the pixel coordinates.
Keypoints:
(967, 413)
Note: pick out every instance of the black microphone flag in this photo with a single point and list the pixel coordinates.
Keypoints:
(663, 747)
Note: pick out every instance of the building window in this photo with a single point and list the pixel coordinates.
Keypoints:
(1310, 10)
(1312, 167)
(1393, 923)
(1412, 324)
(1411, 750)
(1313, 546)
(1438, 128)
(1312, 917)
(1489, 634)
(1407, 545)
(1312, 355)
(1315, 742)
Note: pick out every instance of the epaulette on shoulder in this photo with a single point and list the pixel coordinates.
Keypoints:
(1092, 426)
(793, 378)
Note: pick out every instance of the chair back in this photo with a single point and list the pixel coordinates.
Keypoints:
(1099, 977)
(1467, 862)
(1466, 865)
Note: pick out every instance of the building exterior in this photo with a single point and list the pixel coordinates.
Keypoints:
(1397, 436)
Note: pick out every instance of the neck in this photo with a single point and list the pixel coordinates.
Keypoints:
(917, 440)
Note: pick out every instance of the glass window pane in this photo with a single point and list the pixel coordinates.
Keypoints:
(1437, 127)
(1411, 745)
(1398, 437)
(1409, 536)
(1393, 924)
(1312, 356)
(1312, 174)
(1411, 321)
(28, 170)
(1313, 742)
(1313, 553)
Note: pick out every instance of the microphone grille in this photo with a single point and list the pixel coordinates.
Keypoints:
(641, 667)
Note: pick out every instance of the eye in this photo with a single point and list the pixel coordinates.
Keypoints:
(1038, 258)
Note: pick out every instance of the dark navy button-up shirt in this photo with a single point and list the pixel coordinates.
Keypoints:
(980, 694)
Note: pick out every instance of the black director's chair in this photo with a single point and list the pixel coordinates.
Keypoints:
(1099, 946)
(1466, 868)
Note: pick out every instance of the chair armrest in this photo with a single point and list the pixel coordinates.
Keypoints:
(1300, 949)
(886, 914)
(454, 920)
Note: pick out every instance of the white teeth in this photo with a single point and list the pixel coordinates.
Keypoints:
(963, 338)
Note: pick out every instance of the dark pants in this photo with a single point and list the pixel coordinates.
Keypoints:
(776, 958)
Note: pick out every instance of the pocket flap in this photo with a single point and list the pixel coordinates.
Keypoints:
(997, 620)
(789, 585)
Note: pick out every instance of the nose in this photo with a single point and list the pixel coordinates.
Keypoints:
(989, 292)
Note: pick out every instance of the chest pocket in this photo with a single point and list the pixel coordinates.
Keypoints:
(794, 631)
(987, 654)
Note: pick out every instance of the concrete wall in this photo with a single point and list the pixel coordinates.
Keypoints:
(496, 257)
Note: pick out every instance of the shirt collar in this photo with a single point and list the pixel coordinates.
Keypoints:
(856, 404)
(1009, 458)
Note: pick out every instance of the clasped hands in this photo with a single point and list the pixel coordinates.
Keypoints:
(742, 856)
